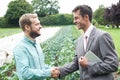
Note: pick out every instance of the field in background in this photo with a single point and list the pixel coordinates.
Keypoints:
(8, 31)
(113, 32)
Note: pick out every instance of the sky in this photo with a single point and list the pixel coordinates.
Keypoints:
(66, 6)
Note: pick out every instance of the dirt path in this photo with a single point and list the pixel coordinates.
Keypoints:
(7, 43)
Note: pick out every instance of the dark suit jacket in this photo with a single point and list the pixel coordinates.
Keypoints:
(101, 44)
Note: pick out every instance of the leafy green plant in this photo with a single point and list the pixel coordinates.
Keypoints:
(7, 72)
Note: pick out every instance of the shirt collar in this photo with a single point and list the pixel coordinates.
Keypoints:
(89, 30)
(29, 40)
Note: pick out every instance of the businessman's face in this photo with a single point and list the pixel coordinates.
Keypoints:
(79, 20)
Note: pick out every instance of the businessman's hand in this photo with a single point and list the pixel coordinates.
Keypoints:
(83, 61)
(55, 72)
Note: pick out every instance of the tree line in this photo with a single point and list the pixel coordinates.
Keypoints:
(48, 12)
(109, 15)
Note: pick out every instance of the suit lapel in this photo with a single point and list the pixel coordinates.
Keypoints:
(80, 47)
(91, 38)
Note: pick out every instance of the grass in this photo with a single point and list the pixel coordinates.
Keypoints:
(8, 31)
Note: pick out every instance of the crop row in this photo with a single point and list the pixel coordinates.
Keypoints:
(60, 49)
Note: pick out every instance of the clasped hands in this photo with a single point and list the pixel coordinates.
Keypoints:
(55, 72)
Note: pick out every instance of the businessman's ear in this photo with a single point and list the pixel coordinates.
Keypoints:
(86, 18)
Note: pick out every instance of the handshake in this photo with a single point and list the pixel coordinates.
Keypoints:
(55, 72)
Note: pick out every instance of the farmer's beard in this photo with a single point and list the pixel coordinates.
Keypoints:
(34, 34)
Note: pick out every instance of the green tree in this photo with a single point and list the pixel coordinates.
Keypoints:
(3, 22)
(57, 19)
(45, 7)
(15, 9)
(99, 15)
(53, 8)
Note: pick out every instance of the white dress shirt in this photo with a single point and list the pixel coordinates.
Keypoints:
(87, 34)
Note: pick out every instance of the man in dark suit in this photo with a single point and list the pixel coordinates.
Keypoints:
(95, 40)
